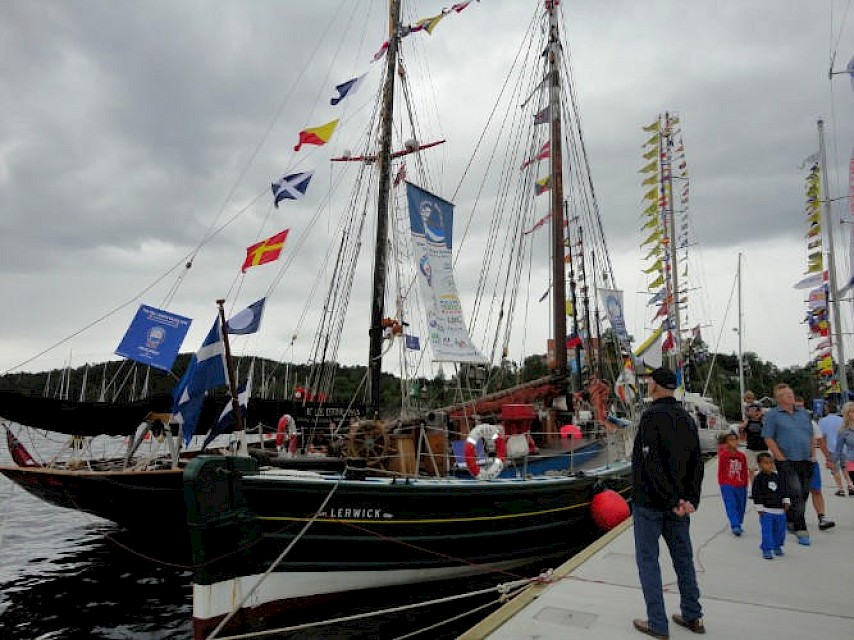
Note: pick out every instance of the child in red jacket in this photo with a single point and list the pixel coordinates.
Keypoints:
(732, 477)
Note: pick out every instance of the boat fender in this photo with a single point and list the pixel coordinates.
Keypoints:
(518, 447)
(287, 426)
(492, 435)
(609, 509)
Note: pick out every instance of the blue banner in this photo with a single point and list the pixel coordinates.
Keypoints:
(154, 337)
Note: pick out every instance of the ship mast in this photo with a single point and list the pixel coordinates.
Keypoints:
(558, 265)
(381, 247)
(670, 221)
(842, 374)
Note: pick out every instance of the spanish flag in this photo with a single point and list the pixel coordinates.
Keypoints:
(265, 251)
(316, 135)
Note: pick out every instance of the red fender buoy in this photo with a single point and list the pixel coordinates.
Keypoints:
(609, 509)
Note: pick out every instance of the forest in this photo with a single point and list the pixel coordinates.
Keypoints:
(714, 375)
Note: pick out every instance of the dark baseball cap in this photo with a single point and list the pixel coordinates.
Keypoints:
(664, 377)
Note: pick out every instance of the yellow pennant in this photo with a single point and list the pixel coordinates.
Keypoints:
(647, 168)
(649, 155)
(655, 235)
(656, 283)
(653, 139)
(652, 194)
(652, 222)
(651, 127)
(655, 251)
(656, 266)
(651, 209)
(569, 309)
(653, 179)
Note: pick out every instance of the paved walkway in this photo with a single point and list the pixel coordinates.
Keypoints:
(808, 593)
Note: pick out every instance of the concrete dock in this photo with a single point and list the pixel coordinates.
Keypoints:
(808, 593)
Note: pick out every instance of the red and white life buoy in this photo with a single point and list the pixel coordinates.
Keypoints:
(287, 425)
(494, 435)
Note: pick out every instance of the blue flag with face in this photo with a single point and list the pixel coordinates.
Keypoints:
(206, 372)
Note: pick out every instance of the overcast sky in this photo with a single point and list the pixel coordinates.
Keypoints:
(129, 129)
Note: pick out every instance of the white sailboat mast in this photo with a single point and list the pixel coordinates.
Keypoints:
(740, 347)
(842, 374)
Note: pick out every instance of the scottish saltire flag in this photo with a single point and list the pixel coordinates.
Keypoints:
(347, 89)
(206, 372)
(248, 320)
(412, 342)
(292, 187)
(317, 135)
(226, 420)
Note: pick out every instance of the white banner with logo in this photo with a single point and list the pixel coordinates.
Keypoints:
(431, 221)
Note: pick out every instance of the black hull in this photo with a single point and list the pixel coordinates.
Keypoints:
(372, 533)
(132, 499)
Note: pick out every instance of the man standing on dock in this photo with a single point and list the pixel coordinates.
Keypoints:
(788, 432)
(667, 471)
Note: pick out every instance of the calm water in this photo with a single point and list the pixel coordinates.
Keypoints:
(67, 575)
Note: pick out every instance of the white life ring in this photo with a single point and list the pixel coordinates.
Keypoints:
(287, 425)
(489, 433)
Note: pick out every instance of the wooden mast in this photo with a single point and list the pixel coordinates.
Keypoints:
(381, 247)
(558, 265)
(232, 378)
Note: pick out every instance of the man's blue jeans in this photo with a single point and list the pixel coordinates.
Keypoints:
(650, 525)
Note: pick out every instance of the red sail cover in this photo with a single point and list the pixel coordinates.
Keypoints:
(19, 453)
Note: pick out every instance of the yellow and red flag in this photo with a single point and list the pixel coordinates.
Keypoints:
(316, 135)
(265, 251)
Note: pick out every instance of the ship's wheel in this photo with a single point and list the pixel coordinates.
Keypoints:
(369, 442)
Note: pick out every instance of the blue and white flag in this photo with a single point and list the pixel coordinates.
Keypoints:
(206, 372)
(346, 89)
(226, 418)
(412, 342)
(291, 187)
(154, 337)
(658, 297)
(246, 321)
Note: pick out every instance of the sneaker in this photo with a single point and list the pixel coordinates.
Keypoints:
(737, 531)
(851, 491)
(840, 493)
(695, 625)
(804, 540)
(825, 523)
(643, 627)
(778, 551)
(767, 555)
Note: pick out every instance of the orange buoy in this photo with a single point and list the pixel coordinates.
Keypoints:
(609, 509)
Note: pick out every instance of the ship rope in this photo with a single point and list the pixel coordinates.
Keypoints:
(275, 563)
(506, 592)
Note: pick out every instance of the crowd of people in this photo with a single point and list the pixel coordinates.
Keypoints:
(770, 458)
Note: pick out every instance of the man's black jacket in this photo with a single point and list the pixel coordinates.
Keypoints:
(667, 465)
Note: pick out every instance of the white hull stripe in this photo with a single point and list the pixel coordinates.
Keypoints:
(218, 599)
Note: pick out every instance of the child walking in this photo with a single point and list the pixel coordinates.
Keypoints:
(732, 478)
(772, 502)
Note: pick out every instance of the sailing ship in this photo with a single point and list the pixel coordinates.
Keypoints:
(266, 541)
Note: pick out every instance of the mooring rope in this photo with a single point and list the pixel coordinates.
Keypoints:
(506, 587)
(274, 564)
